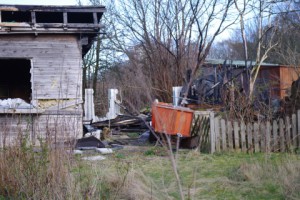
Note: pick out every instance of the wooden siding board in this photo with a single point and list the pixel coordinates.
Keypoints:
(59, 127)
(63, 52)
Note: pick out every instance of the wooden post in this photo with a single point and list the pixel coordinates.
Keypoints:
(95, 18)
(33, 20)
(65, 18)
(249, 137)
(262, 137)
(288, 131)
(223, 129)
(281, 134)
(255, 135)
(243, 138)
(217, 131)
(212, 133)
(268, 137)
(236, 135)
(294, 130)
(298, 132)
(229, 135)
(275, 136)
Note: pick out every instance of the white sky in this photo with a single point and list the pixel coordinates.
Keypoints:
(42, 2)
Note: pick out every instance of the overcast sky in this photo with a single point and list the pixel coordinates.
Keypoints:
(42, 2)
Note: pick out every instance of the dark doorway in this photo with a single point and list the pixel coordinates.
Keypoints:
(15, 79)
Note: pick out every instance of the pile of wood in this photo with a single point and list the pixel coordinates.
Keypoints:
(124, 123)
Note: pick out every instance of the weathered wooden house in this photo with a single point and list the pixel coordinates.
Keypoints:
(41, 51)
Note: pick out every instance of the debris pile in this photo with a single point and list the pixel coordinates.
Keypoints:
(14, 103)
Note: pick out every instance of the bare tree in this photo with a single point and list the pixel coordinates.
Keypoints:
(265, 40)
(163, 38)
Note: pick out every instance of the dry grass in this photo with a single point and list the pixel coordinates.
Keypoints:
(25, 174)
(55, 174)
(285, 174)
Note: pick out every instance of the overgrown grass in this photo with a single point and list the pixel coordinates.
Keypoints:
(222, 176)
(55, 174)
(26, 174)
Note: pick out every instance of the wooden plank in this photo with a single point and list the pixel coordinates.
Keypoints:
(281, 135)
(223, 130)
(33, 18)
(275, 140)
(95, 18)
(230, 135)
(298, 132)
(243, 136)
(250, 146)
(288, 131)
(262, 137)
(294, 130)
(236, 135)
(65, 18)
(39, 126)
(47, 8)
(217, 131)
(256, 137)
(268, 137)
(212, 133)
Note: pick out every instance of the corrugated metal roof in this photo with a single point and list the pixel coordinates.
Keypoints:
(237, 63)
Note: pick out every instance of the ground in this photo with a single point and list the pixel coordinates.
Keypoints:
(146, 173)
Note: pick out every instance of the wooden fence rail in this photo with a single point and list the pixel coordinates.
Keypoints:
(271, 136)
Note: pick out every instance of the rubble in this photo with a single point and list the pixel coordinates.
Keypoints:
(14, 103)
(104, 150)
(125, 123)
(93, 158)
(89, 143)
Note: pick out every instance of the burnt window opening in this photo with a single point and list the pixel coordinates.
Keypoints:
(99, 15)
(11, 16)
(49, 17)
(76, 17)
(15, 79)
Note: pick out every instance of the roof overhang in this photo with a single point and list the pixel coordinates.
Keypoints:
(33, 19)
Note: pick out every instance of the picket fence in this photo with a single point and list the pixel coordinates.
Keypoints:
(279, 135)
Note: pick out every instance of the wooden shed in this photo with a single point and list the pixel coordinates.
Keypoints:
(273, 79)
(278, 79)
(41, 51)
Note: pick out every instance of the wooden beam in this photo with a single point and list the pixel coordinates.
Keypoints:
(95, 18)
(65, 14)
(24, 8)
(33, 20)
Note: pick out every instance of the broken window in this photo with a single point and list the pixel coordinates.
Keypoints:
(11, 16)
(49, 17)
(76, 17)
(15, 79)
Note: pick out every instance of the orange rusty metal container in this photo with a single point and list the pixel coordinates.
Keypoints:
(172, 120)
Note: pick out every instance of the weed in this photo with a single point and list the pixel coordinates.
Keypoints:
(155, 151)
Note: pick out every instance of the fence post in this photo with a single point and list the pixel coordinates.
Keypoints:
(223, 129)
(275, 136)
(217, 131)
(294, 130)
(268, 137)
(256, 137)
(212, 132)
(298, 132)
(250, 137)
(243, 136)
(236, 135)
(281, 135)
